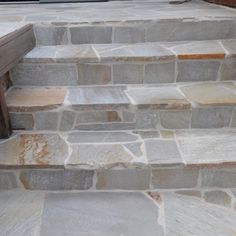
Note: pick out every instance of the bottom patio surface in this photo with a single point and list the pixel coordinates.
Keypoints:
(181, 212)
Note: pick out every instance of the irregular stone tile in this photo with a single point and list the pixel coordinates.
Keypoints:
(160, 72)
(174, 178)
(96, 156)
(159, 97)
(46, 35)
(135, 148)
(103, 96)
(147, 134)
(199, 50)
(7, 180)
(67, 120)
(229, 45)
(227, 70)
(207, 148)
(218, 178)
(90, 34)
(212, 117)
(126, 34)
(133, 52)
(42, 150)
(160, 152)
(128, 73)
(190, 216)
(46, 120)
(113, 126)
(192, 193)
(128, 116)
(94, 74)
(175, 119)
(233, 120)
(197, 70)
(56, 179)
(218, 197)
(30, 99)
(108, 211)
(45, 74)
(147, 119)
(20, 212)
(138, 179)
(100, 137)
(9, 149)
(21, 121)
(98, 116)
(167, 134)
(211, 93)
(178, 30)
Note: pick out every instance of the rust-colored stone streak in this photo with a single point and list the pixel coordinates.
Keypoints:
(201, 56)
(230, 3)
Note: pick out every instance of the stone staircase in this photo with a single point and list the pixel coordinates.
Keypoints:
(135, 119)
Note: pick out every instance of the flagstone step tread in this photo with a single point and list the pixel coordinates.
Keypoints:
(182, 96)
(99, 53)
(118, 213)
(106, 149)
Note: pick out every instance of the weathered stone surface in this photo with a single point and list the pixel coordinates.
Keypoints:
(96, 156)
(160, 72)
(146, 134)
(20, 212)
(9, 149)
(22, 121)
(211, 93)
(227, 70)
(135, 148)
(42, 149)
(46, 120)
(45, 74)
(7, 180)
(160, 97)
(90, 34)
(56, 179)
(67, 120)
(174, 178)
(129, 35)
(107, 218)
(161, 152)
(191, 216)
(50, 35)
(190, 30)
(147, 119)
(167, 134)
(220, 178)
(212, 117)
(175, 119)
(208, 148)
(138, 179)
(229, 45)
(103, 96)
(100, 137)
(30, 99)
(193, 193)
(233, 120)
(128, 73)
(197, 70)
(218, 197)
(94, 74)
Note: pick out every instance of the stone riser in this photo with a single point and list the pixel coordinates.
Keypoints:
(114, 179)
(71, 74)
(134, 32)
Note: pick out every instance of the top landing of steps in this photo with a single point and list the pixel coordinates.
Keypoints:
(115, 12)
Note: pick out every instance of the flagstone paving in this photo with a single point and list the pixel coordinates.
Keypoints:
(116, 213)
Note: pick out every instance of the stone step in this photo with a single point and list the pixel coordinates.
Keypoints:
(146, 63)
(179, 106)
(163, 213)
(131, 160)
(138, 31)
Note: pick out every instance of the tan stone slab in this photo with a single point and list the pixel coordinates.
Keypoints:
(31, 99)
(211, 93)
(198, 50)
(159, 97)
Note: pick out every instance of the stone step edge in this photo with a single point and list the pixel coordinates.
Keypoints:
(149, 52)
